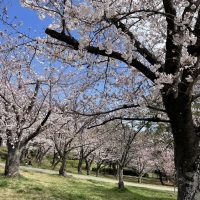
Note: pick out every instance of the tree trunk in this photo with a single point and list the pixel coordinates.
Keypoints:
(54, 159)
(1, 141)
(53, 166)
(12, 161)
(42, 155)
(120, 176)
(188, 175)
(80, 166)
(189, 182)
(114, 167)
(160, 177)
(140, 179)
(62, 170)
(186, 145)
(80, 163)
(98, 169)
(88, 165)
(24, 154)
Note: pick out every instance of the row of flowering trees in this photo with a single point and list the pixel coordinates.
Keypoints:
(136, 61)
(156, 41)
(116, 145)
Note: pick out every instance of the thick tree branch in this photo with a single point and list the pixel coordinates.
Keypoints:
(140, 48)
(37, 131)
(71, 41)
(173, 52)
(116, 109)
(195, 49)
(33, 99)
(151, 119)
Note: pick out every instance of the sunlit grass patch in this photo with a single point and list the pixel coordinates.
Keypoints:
(53, 187)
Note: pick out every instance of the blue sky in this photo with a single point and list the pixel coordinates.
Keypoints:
(28, 17)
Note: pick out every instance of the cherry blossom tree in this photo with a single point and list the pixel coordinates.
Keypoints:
(36, 150)
(143, 160)
(166, 164)
(160, 41)
(23, 118)
(64, 136)
(89, 142)
(122, 136)
(163, 154)
(102, 155)
(25, 98)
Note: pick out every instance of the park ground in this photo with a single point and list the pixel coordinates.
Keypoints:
(33, 185)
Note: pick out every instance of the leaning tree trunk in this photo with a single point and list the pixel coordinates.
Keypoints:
(186, 144)
(12, 161)
(121, 178)
(62, 170)
(53, 166)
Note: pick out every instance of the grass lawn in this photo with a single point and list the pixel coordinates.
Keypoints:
(72, 168)
(51, 187)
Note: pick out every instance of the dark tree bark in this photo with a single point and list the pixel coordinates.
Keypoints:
(160, 174)
(114, 167)
(120, 178)
(98, 169)
(55, 160)
(88, 163)
(24, 154)
(53, 166)
(1, 141)
(186, 144)
(80, 163)
(140, 179)
(62, 170)
(12, 161)
(80, 166)
(41, 154)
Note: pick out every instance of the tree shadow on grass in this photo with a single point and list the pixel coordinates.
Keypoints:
(130, 193)
(142, 194)
(6, 181)
(74, 189)
(101, 192)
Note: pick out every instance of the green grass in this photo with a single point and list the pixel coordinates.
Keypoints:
(35, 186)
(72, 168)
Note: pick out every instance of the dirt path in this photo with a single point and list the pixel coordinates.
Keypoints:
(47, 171)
